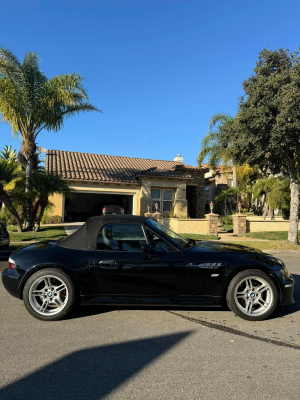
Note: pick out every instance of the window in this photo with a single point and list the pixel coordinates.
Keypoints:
(157, 242)
(121, 237)
(207, 189)
(180, 241)
(164, 199)
(156, 198)
(230, 182)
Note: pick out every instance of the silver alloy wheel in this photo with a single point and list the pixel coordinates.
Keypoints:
(253, 296)
(48, 295)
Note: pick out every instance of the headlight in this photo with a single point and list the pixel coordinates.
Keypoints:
(285, 272)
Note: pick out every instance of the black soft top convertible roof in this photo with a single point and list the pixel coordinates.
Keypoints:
(86, 236)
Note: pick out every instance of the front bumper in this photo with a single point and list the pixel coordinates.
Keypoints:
(287, 291)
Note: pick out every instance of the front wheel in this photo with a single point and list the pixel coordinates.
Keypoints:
(252, 295)
(49, 294)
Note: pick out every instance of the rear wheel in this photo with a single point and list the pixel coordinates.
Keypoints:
(49, 294)
(252, 295)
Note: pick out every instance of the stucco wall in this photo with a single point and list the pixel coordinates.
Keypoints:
(180, 202)
(186, 225)
(141, 193)
(259, 225)
(57, 201)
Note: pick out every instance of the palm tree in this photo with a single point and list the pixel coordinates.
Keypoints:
(44, 185)
(30, 102)
(10, 174)
(262, 189)
(213, 144)
(8, 154)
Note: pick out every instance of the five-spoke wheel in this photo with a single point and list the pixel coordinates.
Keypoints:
(49, 294)
(252, 295)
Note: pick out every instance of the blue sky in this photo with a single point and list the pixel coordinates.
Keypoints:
(157, 69)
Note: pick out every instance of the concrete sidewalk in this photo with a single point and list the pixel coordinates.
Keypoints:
(231, 237)
(71, 227)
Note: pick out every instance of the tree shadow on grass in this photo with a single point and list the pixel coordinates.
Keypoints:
(91, 373)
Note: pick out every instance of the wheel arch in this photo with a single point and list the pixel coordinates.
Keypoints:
(248, 267)
(47, 266)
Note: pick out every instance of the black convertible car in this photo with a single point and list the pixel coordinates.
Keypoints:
(130, 260)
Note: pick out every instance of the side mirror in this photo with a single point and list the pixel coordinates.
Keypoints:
(148, 249)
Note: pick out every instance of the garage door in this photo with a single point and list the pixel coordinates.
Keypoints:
(82, 205)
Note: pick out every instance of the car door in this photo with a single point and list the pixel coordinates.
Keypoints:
(122, 267)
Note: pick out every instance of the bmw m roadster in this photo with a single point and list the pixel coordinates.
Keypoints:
(131, 260)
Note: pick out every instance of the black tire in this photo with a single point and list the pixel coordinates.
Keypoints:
(264, 302)
(67, 295)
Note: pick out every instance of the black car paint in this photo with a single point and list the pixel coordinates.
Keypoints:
(137, 278)
(4, 236)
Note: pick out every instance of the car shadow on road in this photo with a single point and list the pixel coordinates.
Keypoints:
(91, 373)
(87, 311)
(286, 310)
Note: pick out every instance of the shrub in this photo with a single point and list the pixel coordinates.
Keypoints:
(226, 220)
(7, 218)
(51, 219)
(169, 215)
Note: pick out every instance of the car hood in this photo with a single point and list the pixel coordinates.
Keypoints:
(217, 247)
(235, 254)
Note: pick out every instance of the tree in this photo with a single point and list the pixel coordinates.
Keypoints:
(30, 102)
(262, 189)
(10, 173)
(44, 185)
(8, 154)
(243, 191)
(228, 198)
(275, 193)
(266, 131)
(212, 145)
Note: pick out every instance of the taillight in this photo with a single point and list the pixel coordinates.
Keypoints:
(107, 209)
(11, 264)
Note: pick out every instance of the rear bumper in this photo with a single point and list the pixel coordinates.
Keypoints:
(11, 281)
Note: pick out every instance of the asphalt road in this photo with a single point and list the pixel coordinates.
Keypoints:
(150, 354)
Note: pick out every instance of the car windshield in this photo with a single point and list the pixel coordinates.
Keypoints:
(180, 241)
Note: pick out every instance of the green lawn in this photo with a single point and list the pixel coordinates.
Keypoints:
(45, 233)
(281, 235)
(199, 236)
(228, 228)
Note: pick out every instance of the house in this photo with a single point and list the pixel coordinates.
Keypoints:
(216, 180)
(97, 180)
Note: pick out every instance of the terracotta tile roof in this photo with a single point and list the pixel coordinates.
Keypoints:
(103, 168)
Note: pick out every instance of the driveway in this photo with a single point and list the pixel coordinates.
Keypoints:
(71, 227)
(104, 353)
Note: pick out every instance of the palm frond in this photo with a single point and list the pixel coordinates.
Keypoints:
(30, 102)
(213, 146)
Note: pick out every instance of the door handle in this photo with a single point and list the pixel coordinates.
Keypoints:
(108, 263)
